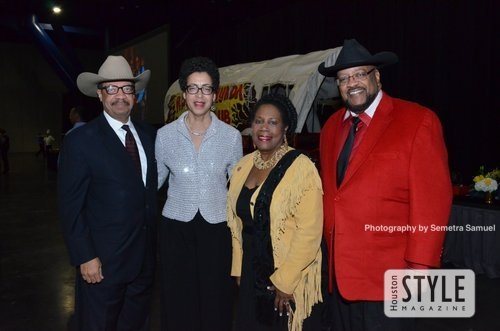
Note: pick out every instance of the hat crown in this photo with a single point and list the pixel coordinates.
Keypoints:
(115, 67)
(352, 52)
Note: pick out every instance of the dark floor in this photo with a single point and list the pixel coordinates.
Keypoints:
(36, 281)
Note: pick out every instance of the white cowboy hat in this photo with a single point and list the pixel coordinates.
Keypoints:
(115, 68)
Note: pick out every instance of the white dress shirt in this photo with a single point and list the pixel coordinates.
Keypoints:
(117, 127)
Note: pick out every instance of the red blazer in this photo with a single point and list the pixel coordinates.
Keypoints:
(398, 176)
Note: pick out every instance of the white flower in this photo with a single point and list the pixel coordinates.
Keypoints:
(486, 185)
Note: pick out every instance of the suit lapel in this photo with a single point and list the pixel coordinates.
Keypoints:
(378, 125)
(115, 147)
(334, 145)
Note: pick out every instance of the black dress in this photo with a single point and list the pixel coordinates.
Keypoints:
(246, 319)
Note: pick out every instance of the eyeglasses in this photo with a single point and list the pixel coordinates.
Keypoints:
(357, 76)
(205, 89)
(113, 89)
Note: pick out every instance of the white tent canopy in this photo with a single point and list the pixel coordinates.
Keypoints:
(242, 84)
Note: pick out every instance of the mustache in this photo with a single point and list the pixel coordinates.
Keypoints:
(125, 101)
(356, 88)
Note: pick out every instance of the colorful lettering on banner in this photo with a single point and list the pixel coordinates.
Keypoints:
(233, 103)
(176, 106)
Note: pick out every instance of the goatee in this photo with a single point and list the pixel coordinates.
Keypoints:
(358, 109)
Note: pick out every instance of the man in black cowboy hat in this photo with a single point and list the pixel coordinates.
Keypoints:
(107, 199)
(384, 163)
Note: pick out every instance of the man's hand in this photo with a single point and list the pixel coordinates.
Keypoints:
(92, 271)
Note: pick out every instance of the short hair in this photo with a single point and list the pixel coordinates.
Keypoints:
(285, 107)
(199, 64)
(80, 110)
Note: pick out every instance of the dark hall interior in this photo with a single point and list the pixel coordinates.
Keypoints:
(446, 55)
(446, 49)
(36, 288)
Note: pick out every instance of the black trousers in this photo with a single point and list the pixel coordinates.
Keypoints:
(115, 307)
(363, 315)
(196, 286)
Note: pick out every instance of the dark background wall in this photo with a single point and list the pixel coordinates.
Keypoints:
(447, 51)
(33, 98)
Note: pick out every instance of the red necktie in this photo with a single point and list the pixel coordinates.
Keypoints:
(345, 154)
(131, 147)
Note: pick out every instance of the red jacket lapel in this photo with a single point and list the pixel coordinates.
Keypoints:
(378, 124)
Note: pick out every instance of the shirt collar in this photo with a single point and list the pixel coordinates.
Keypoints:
(115, 124)
(369, 112)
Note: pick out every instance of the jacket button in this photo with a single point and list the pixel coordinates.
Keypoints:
(337, 198)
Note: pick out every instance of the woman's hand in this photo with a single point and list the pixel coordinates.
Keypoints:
(282, 301)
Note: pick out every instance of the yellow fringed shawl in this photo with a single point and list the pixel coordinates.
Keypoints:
(296, 229)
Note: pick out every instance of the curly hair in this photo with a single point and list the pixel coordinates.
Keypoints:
(199, 64)
(285, 107)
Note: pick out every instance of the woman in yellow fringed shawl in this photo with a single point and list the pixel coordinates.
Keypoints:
(275, 214)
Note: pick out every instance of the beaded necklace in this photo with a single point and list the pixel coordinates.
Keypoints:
(260, 164)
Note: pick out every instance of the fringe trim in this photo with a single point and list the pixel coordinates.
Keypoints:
(304, 176)
(306, 295)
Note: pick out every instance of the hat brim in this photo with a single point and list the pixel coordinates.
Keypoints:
(379, 60)
(87, 82)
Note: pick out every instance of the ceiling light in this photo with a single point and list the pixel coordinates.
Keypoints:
(56, 10)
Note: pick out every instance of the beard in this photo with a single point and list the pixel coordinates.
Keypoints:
(358, 109)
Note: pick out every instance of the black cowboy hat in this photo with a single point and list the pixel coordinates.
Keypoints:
(353, 54)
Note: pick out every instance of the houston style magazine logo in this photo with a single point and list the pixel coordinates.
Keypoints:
(429, 293)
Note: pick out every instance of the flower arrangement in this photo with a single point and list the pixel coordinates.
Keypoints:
(486, 181)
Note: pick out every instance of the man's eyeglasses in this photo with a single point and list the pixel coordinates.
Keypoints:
(205, 89)
(113, 89)
(357, 76)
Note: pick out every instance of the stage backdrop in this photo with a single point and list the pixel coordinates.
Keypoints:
(241, 85)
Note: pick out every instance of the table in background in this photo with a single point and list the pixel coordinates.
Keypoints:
(476, 250)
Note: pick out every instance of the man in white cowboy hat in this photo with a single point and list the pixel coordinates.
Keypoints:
(107, 200)
(384, 163)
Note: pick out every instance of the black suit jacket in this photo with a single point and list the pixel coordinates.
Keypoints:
(105, 208)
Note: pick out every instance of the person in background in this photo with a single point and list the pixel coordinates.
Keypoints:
(107, 186)
(76, 118)
(197, 153)
(76, 115)
(48, 140)
(4, 150)
(41, 145)
(383, 162)
(276, 234)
